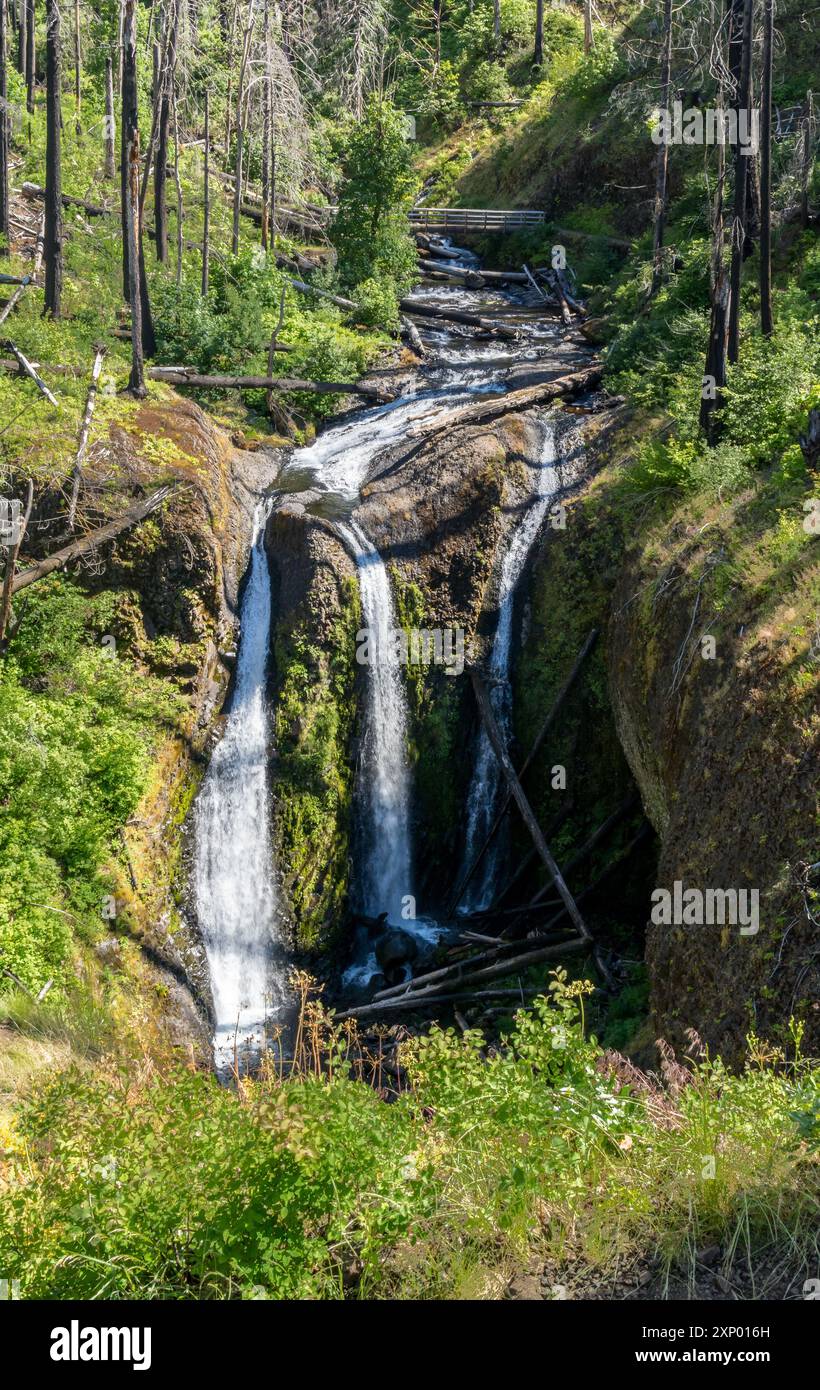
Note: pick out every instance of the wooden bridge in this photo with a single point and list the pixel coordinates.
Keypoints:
(475, 219)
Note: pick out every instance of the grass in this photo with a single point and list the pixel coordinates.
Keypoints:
(544, 1147)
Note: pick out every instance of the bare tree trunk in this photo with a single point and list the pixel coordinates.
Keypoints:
(266, 129)
(120, 46)
(22, 16)
(178, 186)
(131, 136)
(78, 95)
(741, 173)
(110, 122)
(766, 318)
(31, 61)
(4, 125)
(497, 23)
(711, 399)
(272, 217)
(538, 56)
(206, 215)
(240, 129)
(805, 178)
(54, 190)
(662, 165)
(161, 161)
(82, 441)
(589, 41)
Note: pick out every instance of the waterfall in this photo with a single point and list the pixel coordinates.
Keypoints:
(234, 881)
(385, 871)
(485, 788)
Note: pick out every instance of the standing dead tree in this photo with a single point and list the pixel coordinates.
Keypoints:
(241, 118)
(54, 189)
(206, 199)
(131, 142)
(82, 441)
(740, 47)
(766, 317)
(109, 167)
(662, 163)
(4, 124)
(165, 99)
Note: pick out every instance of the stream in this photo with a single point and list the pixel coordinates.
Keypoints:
(234, 870)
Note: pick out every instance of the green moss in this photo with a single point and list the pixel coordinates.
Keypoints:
(313, 771)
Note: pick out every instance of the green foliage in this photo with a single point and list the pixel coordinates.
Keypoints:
(117, 1185)
(77, 727)
(377, 257)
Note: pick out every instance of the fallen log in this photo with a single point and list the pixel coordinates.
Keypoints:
(473, 279)
(137, 512)
(432, 311)
(27, 368)
(572, 385)
(439, 994)
(338, 299)
(560, 697)
(34, 190)
(186, 376)
(411, 333)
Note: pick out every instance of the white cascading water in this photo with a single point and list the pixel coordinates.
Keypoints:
(485, 788)
(234, 880)
(386, 872)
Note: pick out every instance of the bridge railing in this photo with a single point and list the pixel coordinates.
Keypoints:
(476, 219)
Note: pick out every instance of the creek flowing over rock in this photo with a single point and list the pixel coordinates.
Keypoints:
(486, 786)
(235, 874)
(234, 878)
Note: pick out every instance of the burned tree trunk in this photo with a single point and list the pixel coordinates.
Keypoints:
(54, 189)
(741, 175)
(662, 165)
(206, 199)
(166, 78)
(21, 37)
(30, 59)
(266, 129)
(141, 330)
(538, 56)
(766, 317)
(110, 122)
(78, 94)
(4, 126)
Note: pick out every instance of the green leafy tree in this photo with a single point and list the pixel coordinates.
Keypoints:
(371, 231)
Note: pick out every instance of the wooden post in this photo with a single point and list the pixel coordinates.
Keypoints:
(494, 735)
